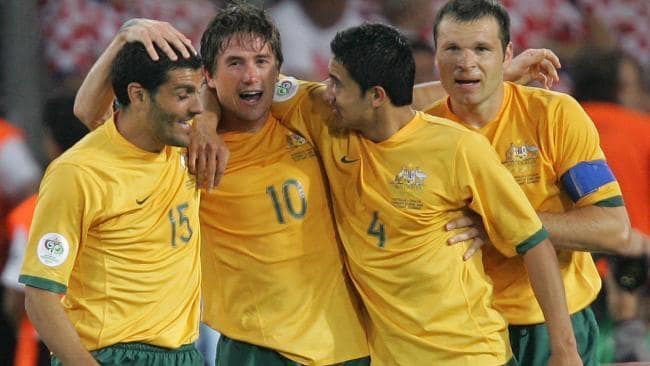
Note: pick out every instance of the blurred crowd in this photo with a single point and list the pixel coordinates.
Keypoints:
(604, 47)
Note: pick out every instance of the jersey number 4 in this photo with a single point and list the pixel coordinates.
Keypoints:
(376, 228)
(298, 209)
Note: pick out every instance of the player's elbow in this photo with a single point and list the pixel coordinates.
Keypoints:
(618, 229)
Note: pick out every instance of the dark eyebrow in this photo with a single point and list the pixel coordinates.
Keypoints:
(185, 87)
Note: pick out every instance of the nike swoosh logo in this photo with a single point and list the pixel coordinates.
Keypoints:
(345, 160)
(142, 201)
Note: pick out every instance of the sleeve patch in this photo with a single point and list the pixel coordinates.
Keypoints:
(52, 249)
(586, 177)
(285, 89)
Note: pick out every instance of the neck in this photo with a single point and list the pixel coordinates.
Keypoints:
(137, 130)
(478, 115)
(230, 123)
(388, 120)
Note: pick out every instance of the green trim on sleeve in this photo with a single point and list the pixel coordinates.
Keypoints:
(533, 240)
(616, 201)
(43, 284)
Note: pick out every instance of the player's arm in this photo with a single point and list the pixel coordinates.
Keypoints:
(46, 313)
(546, 281)
(598, 220)
(93, 103)
(533, 64)
(596, 229)
(207, 153)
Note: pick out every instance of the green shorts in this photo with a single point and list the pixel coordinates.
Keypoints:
(231, 352)
(140, 354)
(531, 344)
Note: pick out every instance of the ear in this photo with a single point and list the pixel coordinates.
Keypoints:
(137, 94)
(377, 96)
(507, 56)
(208, 78)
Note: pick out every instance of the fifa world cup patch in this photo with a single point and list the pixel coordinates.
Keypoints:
(285, 89)
(52, 249)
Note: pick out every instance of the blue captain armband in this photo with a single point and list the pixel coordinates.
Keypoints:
(586, 177)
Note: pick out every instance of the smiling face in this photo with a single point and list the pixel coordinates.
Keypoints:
(471, 59)
(173, 105)
(244, 78)
(351, 108)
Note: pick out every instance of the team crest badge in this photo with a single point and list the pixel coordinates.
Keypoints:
(52, 249)
(295, 140)
(285, 89)
(521, 152)
(409, 179)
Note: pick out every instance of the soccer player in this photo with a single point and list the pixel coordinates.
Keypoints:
(550, 146)
(116, 228)
(396, 177)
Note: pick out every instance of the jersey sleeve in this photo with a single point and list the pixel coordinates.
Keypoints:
(492, 192)
(61, 222)
(579, 160)
(300, 106)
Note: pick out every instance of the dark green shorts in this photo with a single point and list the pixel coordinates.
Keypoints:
(231, 352)
(531, 345)
(140, 354)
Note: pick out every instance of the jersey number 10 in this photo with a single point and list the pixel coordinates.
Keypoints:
(297, 211)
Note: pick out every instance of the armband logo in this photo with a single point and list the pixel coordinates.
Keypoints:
(52, 249)
(285, 89)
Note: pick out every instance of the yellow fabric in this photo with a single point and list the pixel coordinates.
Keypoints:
(539, 135)
(273, 271)
(128, 277)
(391, 201)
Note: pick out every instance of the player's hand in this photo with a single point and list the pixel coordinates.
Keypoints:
(538, 64)
(207, 153)
(150, 32)
(472, 228)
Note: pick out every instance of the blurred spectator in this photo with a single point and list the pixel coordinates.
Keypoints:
(62, 131)
(19, 175)
(76, 31)
(625, 139)
(627, 20)
(306, 28)
(425, 63)
(414, 18)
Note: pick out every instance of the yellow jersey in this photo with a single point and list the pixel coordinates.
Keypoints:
(391, 202)
(116, 229)
(273, 273)
(539, 135)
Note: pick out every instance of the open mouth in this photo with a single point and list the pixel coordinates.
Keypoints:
(467, 82)
(251, 96)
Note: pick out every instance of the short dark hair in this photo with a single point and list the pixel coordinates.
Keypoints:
(242, 19)
(60, 120)
(377, 55)
(133, 64)
(470, 10)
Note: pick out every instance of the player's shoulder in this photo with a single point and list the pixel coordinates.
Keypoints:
(542, 98)
(440, 125)
(289, 88)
